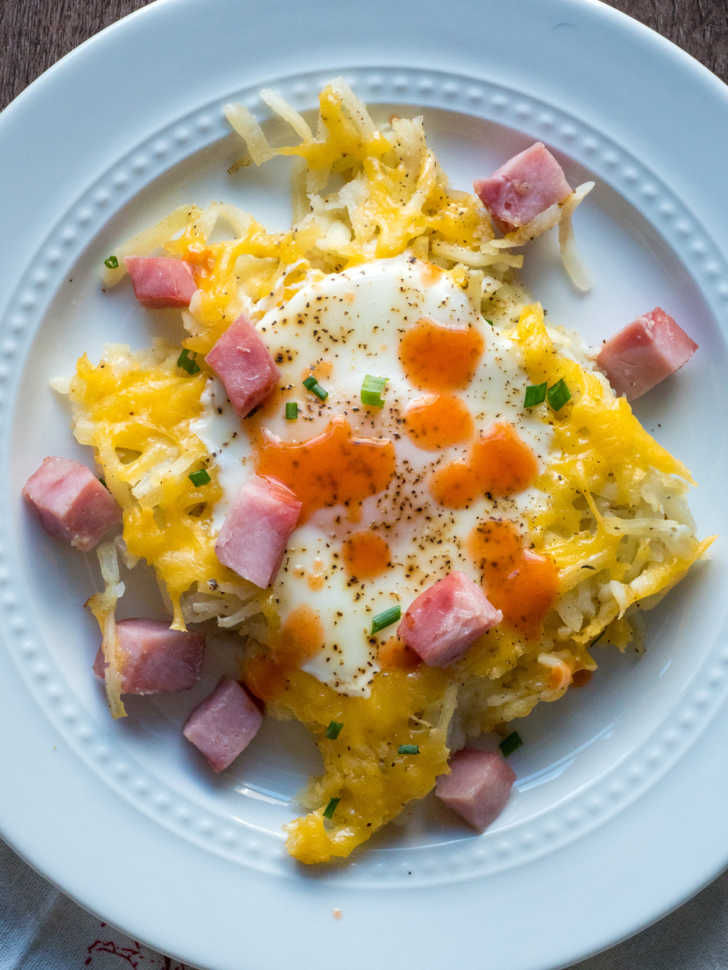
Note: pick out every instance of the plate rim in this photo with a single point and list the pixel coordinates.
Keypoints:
(167, 4)
(142, 164)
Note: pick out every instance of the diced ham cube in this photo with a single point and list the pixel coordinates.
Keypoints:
(155, 659)
(644, 353)
(160, 281)
(478, 786)
(446, 619)
(256, 530)
(71, 502)
(243, 363)
(523, 187)
(224, 724)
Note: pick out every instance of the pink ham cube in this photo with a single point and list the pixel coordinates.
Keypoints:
(71, 503)
(446, 619)
(243, 363)
(224, 724)
(256, 530)
(644, 353)
(478, 786)
(523, 187)
(155, 659)
(160, 281)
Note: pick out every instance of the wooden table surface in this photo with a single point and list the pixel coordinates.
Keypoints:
(36, 33)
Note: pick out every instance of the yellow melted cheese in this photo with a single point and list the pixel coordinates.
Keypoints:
(136, 413)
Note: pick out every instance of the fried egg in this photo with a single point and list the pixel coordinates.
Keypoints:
(385, 506)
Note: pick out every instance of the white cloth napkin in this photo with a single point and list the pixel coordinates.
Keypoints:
(41, 929)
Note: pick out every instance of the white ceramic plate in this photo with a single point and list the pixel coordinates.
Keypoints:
(620, 808)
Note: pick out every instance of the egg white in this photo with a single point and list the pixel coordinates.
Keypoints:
(354, 321)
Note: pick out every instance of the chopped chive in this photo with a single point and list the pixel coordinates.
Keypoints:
(311, 384)
(535, 394)
(408, 749)
(187, 362)
(371, 390)
(489, 322)
(331, 808)
(199, 478)
(558, 394)
(111, 262)
(511, 743)
(334, 729)
(291, 410)
(386, 618)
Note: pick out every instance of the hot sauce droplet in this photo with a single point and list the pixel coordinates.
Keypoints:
(438, 421)
(430, 274)
(395, 655)
(500, 463)
(521, 583)
(316, 578)
(437, 358)
(365, 554)
(320, 370)
(299, 639)
(332, 468)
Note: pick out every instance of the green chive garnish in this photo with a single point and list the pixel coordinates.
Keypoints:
(331, 808)
(291, 410)
(489, 322)
(111, 262)
(187, 362)
(311, 384)
(408, 749)
(334, 729)
(558, 394)
(386, 618)
(371, 390)
(510, 743)
(535, 394)
(199, 478)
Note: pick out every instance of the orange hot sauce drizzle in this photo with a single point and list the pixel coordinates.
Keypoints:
(519, 582)
(395, 655)
(500, 463)
(438, 421)
(438, 358)
(429, 273)
(332, 468)
(316, 577)
(321, 370)
(298, 640)
(365, 554)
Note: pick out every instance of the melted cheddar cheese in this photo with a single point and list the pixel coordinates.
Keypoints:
(136, 412)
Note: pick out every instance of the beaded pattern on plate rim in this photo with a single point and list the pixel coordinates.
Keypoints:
(501, 848)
